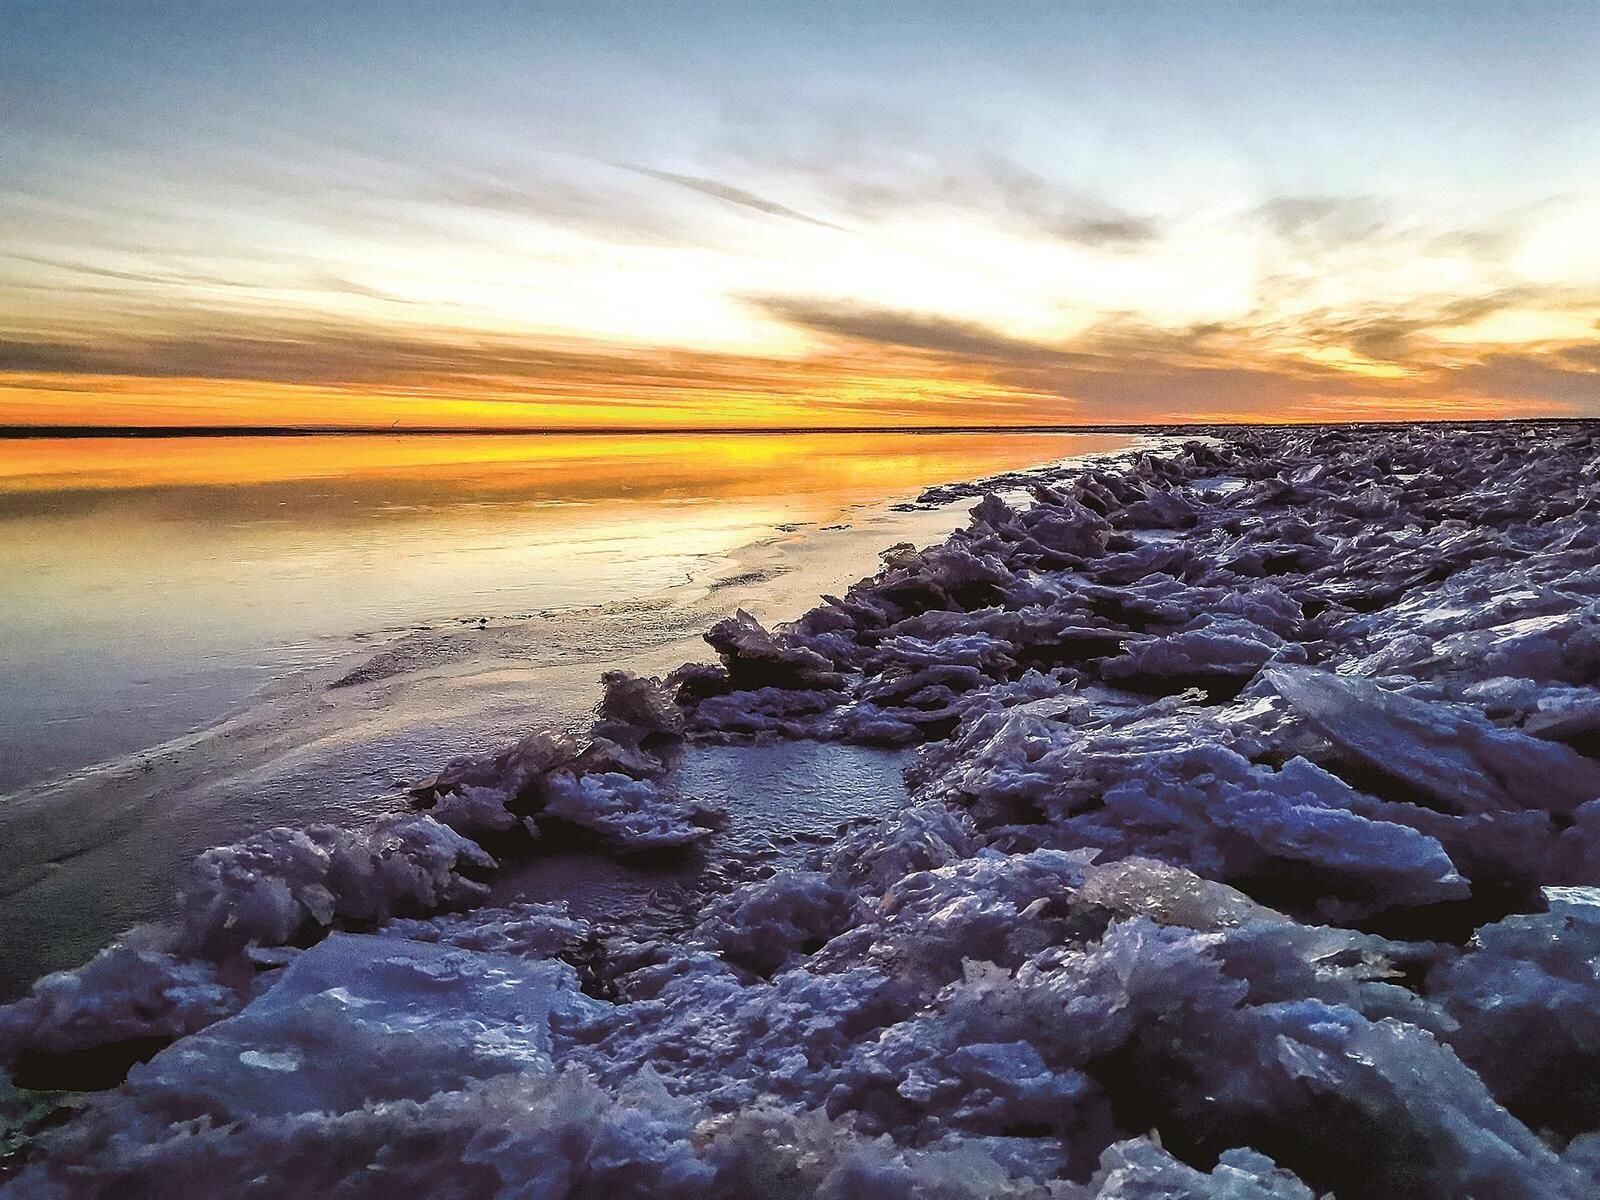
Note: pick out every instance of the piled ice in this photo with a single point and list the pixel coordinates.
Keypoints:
(609, 787)
(281, 884)
(1253, 851)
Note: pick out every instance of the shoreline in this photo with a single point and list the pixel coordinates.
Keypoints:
(338, 741)
(1253, 802)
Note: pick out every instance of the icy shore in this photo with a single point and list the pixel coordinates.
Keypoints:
(1252, 851)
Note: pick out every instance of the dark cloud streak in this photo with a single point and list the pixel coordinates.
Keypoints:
(907, 331)
(1118, 370)
(729, 194)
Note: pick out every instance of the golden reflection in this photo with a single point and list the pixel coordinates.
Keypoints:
(846, 466)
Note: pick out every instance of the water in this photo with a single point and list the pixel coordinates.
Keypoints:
(201, 638)
(807, 793)
(151, 586)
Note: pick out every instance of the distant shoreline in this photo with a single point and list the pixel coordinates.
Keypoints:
(185, 431)
(15, 432)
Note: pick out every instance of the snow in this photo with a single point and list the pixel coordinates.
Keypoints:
(1251, 850)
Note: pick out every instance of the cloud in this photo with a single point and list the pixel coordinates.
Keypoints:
(1064, 213)
(1120, 370)
(1569, 378)
(1107, 231)
(174, 278)
(881, 165)
(1411, 337)
(554, 381)
(1107, 344)
(906, 331)
(1123, 370)
(1324, 218)
(307, 352)
(729, 194)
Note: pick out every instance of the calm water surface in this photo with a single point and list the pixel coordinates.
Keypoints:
(151, 586)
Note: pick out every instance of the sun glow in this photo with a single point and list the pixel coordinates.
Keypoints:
(587, 246)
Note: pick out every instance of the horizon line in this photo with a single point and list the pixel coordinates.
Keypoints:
(24, 431)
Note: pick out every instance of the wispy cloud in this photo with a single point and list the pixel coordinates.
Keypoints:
(1122, 369)
(531, 383)
(729, 194)
(906, 331)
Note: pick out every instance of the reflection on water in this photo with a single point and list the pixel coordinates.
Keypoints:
(151, 585)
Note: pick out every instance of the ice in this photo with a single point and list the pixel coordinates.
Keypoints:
(754, 656)
(523, 929)
(1210, 649)
(1553, 712)
(137, 999)
(627, 814)
(918, 838)
(540, 1136)
(1291, 832)
(608, 786)
(1560, 647)
(1452, 755)
(1141, 1170)
(765, 926)
(479, 812)
(358, 1020)
(1527, 1000)
(1053, 758)
(1249, 853)
(1168, 895)
(284, 883)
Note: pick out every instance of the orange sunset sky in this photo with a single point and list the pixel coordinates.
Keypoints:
(714, 215)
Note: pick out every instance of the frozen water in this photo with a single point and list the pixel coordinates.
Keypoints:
(278, 885)
(1453, 755)
(417, 1018)
(1249, 850)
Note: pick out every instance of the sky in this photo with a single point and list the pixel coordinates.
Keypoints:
(802, 214)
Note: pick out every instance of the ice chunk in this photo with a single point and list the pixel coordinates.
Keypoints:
(1561, 647)
(1448, 753)
(762, 927)
(528, 930)
(920, 838)
(478, 811)
(272, 888)
(637, 721)
(756, 658)
(1294, 832)
(1168, 895)
(628, 814)
(365, 1018)
(1208, 648)
(994, 1087)
(511, 772)
(1141, 1170)
(1527, 997)
(135, 999)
